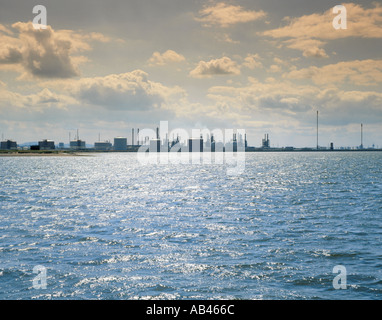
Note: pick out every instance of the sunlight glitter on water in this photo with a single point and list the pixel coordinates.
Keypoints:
(106, 227)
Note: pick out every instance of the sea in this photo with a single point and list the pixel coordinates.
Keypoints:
(290, 226)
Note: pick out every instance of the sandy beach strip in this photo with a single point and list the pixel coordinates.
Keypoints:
(40, 154)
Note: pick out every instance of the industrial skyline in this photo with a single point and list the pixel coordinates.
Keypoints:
(264, 66)
(157, 143)
(121, 142)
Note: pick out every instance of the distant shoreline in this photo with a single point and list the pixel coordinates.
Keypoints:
(37, 154)
(67, 153)
(314, 150)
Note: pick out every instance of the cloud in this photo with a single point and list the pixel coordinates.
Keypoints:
(364, 23)
(161, 59)
(114, 92)
(222, 66)
(4, 29)
(309, 33)
(315, 52)
(114, 99)
(256, 95)
(359, 72)
(97, 36)
(252, 61)
(283, 100)
(225, 15)
(35, 102)
(225, 37)
(274, 68)
(125, 91)
(10, 55)
(45, 53)
(309, 47)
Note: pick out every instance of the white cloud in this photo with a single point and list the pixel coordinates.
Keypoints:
(309, 33)
(252, 61)
(359, 72)
(35, 102)
(126, 91)
(161, 59)
(282, 100)
(222, 66)
(225, 37)
(309, 47)
(361, 22)
(274, 68)
(225, 15)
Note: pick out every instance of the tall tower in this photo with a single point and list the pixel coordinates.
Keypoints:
(317, 129)
(361, 136)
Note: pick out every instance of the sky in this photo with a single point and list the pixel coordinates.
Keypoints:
(266, 66)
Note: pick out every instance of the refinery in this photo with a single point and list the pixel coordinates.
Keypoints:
(203, 143)
(148, 140)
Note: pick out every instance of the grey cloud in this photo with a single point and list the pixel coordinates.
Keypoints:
(11, 56)
(45, 53)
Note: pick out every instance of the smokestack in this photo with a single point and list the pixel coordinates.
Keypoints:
(361, 135)
(317, 129)
(132, 136)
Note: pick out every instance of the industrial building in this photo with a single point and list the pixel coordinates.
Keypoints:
(265, 142)
(8, 145)
(103, 146)
(77, 144)
(238, 143)
(120, 144)
(155, 145)
(195, 145)
(46, 145)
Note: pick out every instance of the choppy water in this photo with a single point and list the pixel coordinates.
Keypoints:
(106, 227)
